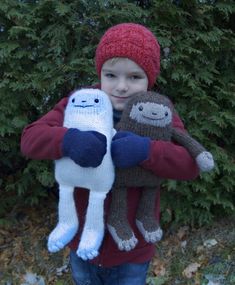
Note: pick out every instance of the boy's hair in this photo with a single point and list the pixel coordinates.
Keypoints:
(114, 60)
(133, 41)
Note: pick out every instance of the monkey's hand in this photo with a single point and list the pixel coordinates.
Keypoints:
(205, 161)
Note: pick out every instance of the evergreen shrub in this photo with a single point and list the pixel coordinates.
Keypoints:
(47, 49)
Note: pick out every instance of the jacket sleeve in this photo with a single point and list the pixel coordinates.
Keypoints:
(42, 139)
(171, 161)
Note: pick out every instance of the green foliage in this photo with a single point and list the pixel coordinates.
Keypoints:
(47, 50)
(197, 73)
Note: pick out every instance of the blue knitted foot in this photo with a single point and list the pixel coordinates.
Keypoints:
(90, 244)
(61, 236)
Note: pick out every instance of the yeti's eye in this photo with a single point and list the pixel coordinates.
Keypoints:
(96, 100)
(140, 108)
(73, 100)
(166, 113)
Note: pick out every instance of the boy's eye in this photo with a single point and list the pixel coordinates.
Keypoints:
(135, 77)
(110, 75)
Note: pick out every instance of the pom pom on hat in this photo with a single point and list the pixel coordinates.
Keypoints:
(132, 41)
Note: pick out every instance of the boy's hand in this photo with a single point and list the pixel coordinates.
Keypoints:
(86, 148)
(129, 149)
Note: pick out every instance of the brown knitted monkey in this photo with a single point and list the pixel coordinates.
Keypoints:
(147, 114)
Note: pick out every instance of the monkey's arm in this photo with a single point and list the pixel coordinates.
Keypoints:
(170, 160)
(203, 158)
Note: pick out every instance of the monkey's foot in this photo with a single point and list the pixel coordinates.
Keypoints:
(90, 243)
(205, 161)
(150, 229)
(61, 236)
(122, 235)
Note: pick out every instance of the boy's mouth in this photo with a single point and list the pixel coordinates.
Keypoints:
(121, 97)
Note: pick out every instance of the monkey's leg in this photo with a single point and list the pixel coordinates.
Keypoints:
(145, 219)
(117, 224)
(68, 221)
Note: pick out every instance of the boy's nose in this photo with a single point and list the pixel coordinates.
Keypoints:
(122, 85)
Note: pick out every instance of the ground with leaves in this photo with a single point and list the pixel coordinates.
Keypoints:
(184, 256)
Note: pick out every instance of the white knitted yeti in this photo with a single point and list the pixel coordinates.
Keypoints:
(87, 109)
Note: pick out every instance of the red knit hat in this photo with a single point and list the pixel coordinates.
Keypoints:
(132, 41)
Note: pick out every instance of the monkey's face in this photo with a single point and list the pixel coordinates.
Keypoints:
(150, 113)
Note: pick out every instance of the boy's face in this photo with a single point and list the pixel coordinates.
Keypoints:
(121, 79)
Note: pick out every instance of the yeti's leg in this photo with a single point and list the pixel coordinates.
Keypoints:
(145, 218)
(117, 224)
(68, 221)
(93, 231)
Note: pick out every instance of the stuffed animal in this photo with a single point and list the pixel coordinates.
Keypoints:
(147, 114)
(87, 109)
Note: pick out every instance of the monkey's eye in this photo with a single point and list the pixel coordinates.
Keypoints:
(140, 108)
(73, 100)
(166, 113)
(96, 100)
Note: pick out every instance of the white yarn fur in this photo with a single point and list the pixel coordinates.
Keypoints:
(205, 161)
(86, 115)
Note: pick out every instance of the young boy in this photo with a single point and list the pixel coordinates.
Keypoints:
(127, 61)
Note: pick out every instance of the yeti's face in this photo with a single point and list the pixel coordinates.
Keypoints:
(150, 113)
(89, 101)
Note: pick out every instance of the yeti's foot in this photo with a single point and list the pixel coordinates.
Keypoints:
(61, 236)
(122, 235)
(90, 244)
(150, 229)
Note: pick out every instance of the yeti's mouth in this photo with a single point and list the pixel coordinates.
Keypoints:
(83, 106)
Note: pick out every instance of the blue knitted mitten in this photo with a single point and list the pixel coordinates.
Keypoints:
(129, 149)
(86, 148)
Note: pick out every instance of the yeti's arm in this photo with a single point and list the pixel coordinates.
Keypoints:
(203, 158)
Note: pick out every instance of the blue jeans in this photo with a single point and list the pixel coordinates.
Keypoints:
(85, 273)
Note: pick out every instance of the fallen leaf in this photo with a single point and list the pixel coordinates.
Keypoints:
(182, 232)
(169, 252)
(214, 279)
(210, 242)
(200, 249)
(62, 269)
(191, 269)
(66, 253)
(33, 279)
(159, 268)
(213, 283)
(183, 245)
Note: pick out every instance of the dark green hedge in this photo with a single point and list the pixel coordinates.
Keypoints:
(47, 49)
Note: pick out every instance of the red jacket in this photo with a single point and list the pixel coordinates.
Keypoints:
(42, 140)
